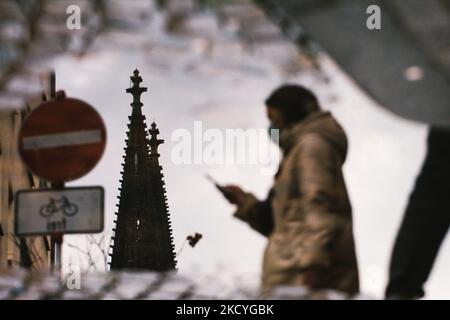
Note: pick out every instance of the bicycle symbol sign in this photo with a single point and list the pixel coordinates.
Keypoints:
(61, 205)
(70, 210)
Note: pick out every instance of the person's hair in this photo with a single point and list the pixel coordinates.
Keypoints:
(293, 101)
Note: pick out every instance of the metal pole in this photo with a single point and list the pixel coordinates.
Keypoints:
(52, 254)
(56, 240)
(58, 252)
(52, 85)
(53, 185)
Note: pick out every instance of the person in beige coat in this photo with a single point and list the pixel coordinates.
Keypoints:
(307, 215)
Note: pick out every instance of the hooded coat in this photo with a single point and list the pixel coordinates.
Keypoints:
(307, 216)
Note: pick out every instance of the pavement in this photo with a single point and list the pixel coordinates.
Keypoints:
(21, 285)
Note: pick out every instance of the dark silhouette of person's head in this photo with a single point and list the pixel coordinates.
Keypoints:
(290, 104)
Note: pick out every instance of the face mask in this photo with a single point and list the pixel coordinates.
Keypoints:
(274, 133)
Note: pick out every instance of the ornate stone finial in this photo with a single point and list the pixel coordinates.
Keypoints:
(136, 90)
(154, 141)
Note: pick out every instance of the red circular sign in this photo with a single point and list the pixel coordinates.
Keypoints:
(62, 139)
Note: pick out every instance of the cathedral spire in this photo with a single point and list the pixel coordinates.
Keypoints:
(143, 234)
(154, 142)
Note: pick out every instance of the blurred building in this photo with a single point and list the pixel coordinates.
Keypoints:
(29, 252)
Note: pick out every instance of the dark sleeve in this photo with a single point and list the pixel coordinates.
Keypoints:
(258, 214)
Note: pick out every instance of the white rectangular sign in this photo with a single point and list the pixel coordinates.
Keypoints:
(69, 210)
(62, 139)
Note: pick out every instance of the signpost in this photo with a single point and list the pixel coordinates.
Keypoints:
(61, 140)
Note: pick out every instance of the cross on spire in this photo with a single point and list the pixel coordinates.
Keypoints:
(136, 90)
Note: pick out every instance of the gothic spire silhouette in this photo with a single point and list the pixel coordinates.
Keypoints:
(143, 235)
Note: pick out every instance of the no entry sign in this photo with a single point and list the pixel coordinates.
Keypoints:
(71, 210)
(62, 139)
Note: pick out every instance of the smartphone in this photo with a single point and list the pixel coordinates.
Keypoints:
(218, 186)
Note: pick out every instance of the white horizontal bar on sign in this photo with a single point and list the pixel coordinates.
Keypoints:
(62, 139)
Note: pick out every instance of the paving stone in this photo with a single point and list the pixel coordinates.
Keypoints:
(27, 85)
(9, 9)
(13, 32)
(129, 14)
(9, 55)
(132, 285)
(198, 24)
(10, 102)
